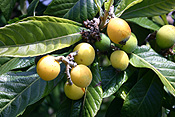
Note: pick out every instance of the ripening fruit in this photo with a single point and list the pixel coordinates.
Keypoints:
(118, 30)
(119, 60)
(165, 37)
(73, 92)
(130, 45)
(48, 68)
(104, 44)
(81, 76)
(86, 54)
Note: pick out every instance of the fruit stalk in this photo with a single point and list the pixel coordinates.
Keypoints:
(68, 61)
(106, 14)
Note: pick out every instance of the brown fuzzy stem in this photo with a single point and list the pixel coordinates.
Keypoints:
(68, 61)
(68, 74)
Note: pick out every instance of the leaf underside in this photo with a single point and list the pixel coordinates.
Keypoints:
(145, 57)
(35, 37)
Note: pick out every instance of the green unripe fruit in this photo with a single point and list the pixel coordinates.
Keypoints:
(104, 44)
(119, 60)
(73, 92)
(130, 45)
(165, 37)
(86, 54)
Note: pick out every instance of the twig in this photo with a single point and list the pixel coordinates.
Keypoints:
(68, 61)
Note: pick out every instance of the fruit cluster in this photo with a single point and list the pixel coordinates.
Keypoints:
(121, 39)
(79, 75)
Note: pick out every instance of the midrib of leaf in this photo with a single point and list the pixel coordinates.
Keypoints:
(19, 94)
(146, 6)
(143, 98)
(44, 40)
(162, 78)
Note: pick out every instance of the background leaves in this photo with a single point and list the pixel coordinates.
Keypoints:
(6, 7)
(146, 93)
(20, 89)
(145, 22)
(123, 5)
(77, 10)
(149, 8)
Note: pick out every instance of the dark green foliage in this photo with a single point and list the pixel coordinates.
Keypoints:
(145, 89)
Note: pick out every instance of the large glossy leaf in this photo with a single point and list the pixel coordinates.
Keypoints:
(112, 80)
(145, 57)
(145, 22)
(149, 8)
(77, 10)
(6, 7)
(123, 5)
(20, 89)
(34, 37)
(144, 99)
(16, 63)
(94, 94)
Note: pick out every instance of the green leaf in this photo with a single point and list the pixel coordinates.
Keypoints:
(144, 99)
(115, 107)
(32, 7)
(3, 60)
(94, 93)
(77, 10)
(32, 37)
(149, 8)
(145, 22)
(132, 80)
(123, 5)
(6, 7)
(2, 20)
(51, 19)
(16, 63)
(145, 57)
(23, 6)
(112, 80)
(20, 89)
(108, 4)
(69, 108)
